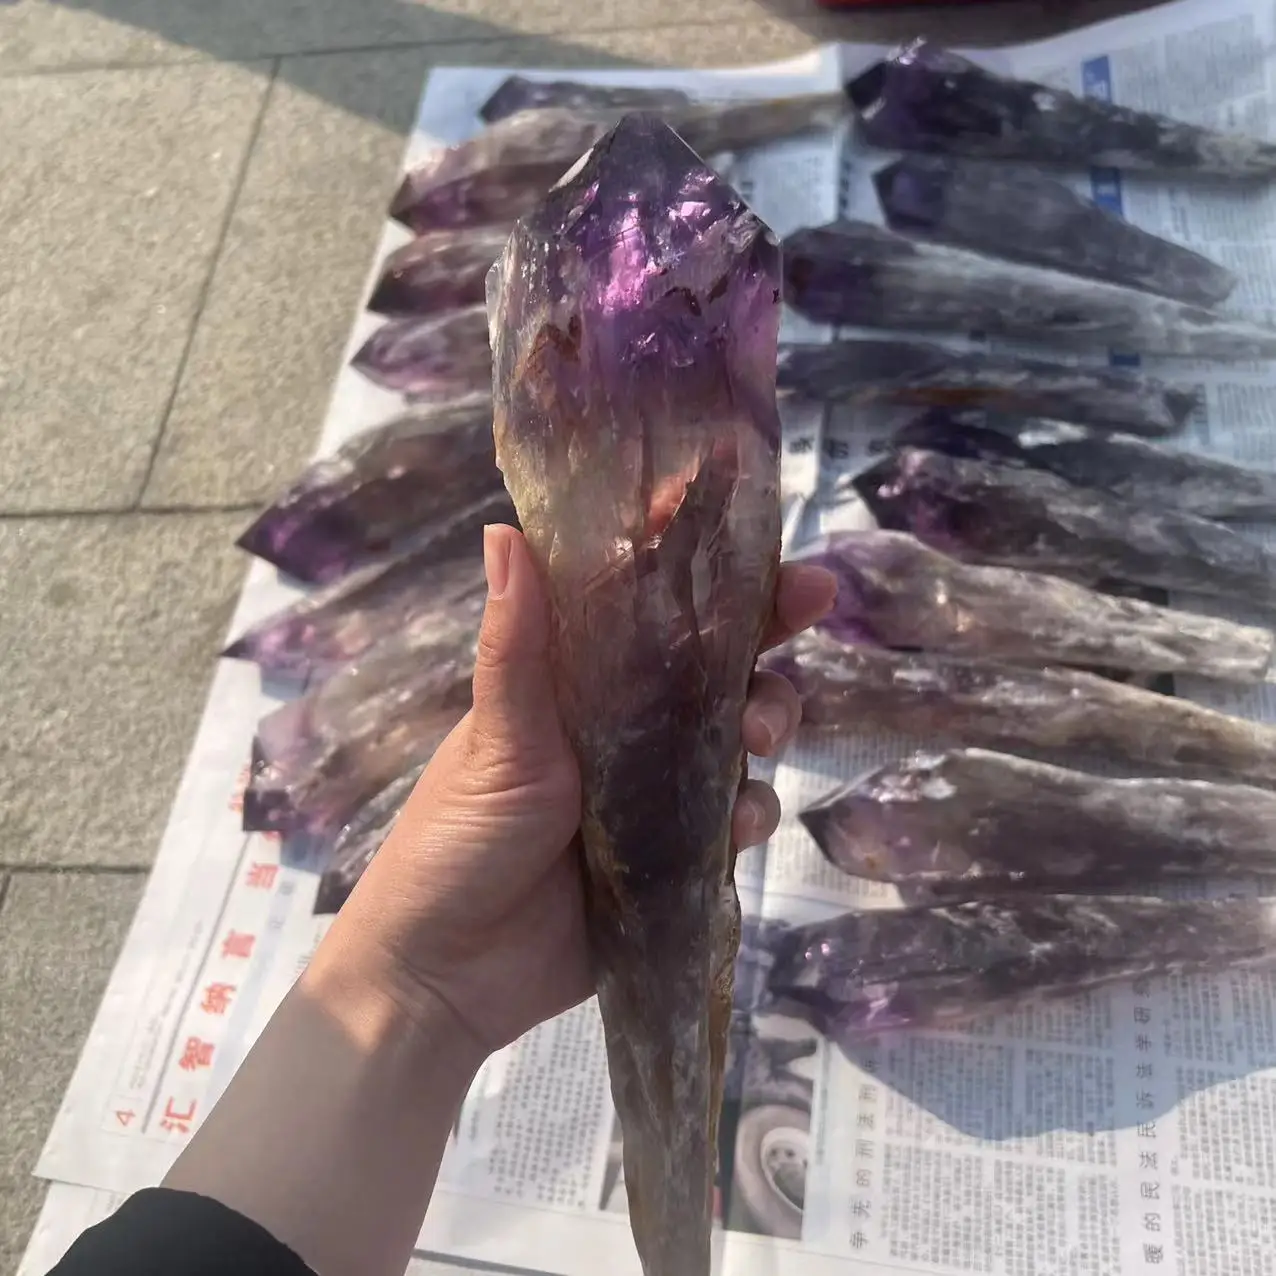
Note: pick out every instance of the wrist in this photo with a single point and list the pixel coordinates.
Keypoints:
(361, 989)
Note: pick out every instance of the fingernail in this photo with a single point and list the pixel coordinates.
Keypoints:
(774, 720)
(497, 544)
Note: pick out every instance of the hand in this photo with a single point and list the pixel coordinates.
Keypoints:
(475, 899)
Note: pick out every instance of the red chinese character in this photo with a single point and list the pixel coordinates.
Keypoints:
(261, 876)
(198, 1054)
(237, 944)
(217, 998)
(177, 1122)
(237, 797)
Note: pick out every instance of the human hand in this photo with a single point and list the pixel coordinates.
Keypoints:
(475, 901)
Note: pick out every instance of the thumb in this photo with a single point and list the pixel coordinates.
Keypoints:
(514, 706)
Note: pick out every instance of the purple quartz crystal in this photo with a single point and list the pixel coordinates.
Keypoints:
(437, 272)
(433, 466)
(634, 320)
(915, 372)
(400, 594)
(1012, 516)
(1026, 216)
(433, 359)
(518, 93)
(1129, 467)
(316, 760)
(505, 171)
(925, 98)
(852, 272)
(894, 591)
(977, 823)
(869, 972)
(495, 176)
(358, 841)
(855, 688)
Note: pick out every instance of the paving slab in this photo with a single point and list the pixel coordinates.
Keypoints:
(297, 252)
(300, 243)
(115, 194)
(107, 662)
(66, 33)
(59, 937)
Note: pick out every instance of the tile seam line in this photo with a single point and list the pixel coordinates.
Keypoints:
(206, 287)
(129, 511)
(442, 42)
(79, 870)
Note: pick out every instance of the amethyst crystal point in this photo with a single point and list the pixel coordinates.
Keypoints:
(1026, 216)
(358, 841)
(518, 93)
(894, 591)
(425, 467)
(977, 822)
(634, 320)
(405, 593)
(497, 175)
(316, 760)
(432, 359)
(1126, 466)
(1011, 516)
(438, 271)
(894, 968)
(915, 372)
(855, 273)
(924, 98)
(855, 688)
(711, 128)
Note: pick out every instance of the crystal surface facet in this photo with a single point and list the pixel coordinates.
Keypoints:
(851, 272)
(433, 466)
(439, 357)
(926, 98)
(635, 316)
(1027, 216)
(930, 375)
(316, 760)
(894, 591)
(1122, 464)
(401, 594)
(849, 688)
(1013, 516)
(974, 822)
(883, 969)
(440, 271)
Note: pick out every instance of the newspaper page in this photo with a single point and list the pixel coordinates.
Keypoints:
(228, 921)
(1120, 1133)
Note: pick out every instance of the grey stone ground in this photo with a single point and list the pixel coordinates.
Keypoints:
(190, 192)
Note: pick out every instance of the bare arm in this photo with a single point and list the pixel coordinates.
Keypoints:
(331, 1133)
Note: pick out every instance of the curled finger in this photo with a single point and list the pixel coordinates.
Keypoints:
(771, 715)
(756, 815)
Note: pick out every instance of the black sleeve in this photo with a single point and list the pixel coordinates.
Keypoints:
(160, 1232)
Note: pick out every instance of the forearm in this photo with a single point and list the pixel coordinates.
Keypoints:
(331, 1132)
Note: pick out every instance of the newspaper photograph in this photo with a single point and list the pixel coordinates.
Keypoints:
(1124, 1131)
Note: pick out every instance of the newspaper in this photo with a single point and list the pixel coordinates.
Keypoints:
(1124, 1132)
